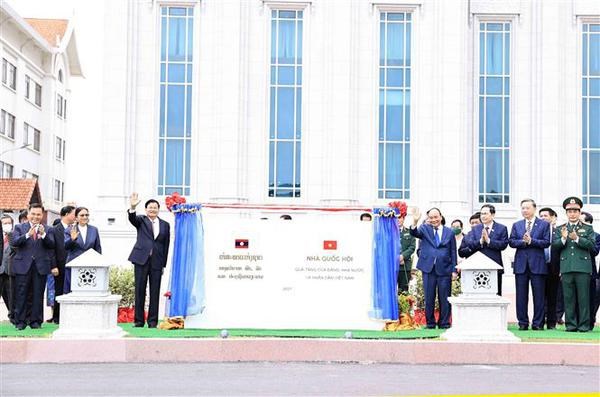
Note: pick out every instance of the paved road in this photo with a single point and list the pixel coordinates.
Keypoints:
(281, 379)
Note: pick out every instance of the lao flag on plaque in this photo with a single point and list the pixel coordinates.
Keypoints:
(241, 243)
(330, 244)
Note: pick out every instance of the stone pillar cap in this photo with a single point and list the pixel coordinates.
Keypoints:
(89, 258)
(478, 261)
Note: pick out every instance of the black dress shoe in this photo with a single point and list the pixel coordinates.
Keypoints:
(583, 330)
(430, 326)
(138, 325)
(20, 327)
(523, 327)
(35, 326)
(551, 327)
(571, 330)
(536, 328)
(151, 325)
(443, 326)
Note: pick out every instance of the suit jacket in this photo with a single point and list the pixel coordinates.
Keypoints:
(595, 253)
(60, 253)
(554, 264)
(408, 245)
(146, 244)
(493, 250)
(533, 253)
(29, 251)
(441, 258)
(576, 257)
(76, 247)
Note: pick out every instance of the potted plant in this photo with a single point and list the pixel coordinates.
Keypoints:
(122, 282)
(416, 288)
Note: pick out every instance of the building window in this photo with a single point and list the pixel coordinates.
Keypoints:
(7, 124)
(59, 149)
(591, 113)
(494, 112)
(29, 175)
(58, 190)
(9, 74)
(27, 86)
(285, 126)
(6, 170)
(175, 130)
(60, 75)
(61, 106)
(394, 105)
(31, 136)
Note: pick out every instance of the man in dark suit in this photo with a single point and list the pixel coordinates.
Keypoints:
(530, 236)
(407, 245)
(587, 218)
(437, 262)
(149, 256)
(489, 237)
(67, 217)
(576, 241)
(552, 258)
(33, 243)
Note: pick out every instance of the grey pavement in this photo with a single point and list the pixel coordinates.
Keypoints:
(288, 379)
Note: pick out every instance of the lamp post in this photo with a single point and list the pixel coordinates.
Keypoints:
(14, 149)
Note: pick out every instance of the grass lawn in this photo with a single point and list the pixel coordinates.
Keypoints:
(559, 335)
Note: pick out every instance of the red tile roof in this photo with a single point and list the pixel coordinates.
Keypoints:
(17, 194)
(49, 29)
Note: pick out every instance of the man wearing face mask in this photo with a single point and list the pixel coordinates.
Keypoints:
(33, 243)
(457, 229)
(6, 276)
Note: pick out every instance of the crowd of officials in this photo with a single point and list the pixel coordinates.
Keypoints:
(558, 262)
(33, 258)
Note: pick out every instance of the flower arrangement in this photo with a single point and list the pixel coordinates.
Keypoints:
(406, 303)
(401, 206)
(174, 199)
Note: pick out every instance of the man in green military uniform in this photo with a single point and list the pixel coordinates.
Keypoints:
(408, 245)
(575, 239)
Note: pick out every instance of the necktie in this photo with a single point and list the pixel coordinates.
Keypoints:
(437, 237)
(487, 230)
(528, 227)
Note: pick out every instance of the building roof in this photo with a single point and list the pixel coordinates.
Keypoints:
(53, 30)
(17, 194)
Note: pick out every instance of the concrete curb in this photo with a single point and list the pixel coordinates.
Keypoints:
(142, 350)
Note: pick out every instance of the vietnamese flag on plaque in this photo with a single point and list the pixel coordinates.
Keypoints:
(330, 244)
(241, 243)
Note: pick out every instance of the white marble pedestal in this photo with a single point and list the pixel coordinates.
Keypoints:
(89, 311)
(479, 319)
(478, 314)
(88, 317)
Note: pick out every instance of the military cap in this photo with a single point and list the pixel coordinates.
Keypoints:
(572, 203)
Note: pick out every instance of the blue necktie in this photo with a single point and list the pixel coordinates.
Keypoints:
(437, 237)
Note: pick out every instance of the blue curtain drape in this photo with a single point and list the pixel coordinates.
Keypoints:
(386, 253)
(187, 275)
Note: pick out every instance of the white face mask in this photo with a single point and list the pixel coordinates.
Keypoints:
(7, 228)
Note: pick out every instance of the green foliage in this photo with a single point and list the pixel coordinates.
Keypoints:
(122, 282)
(418, 292)
(405, 302)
